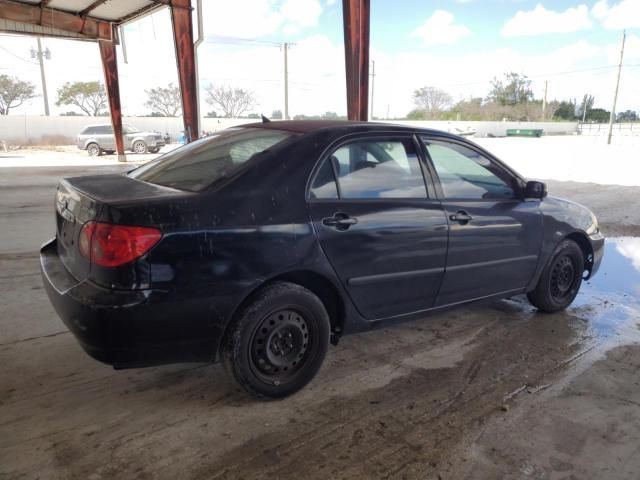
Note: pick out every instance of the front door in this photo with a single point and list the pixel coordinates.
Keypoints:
(383, 234)
(494, 236)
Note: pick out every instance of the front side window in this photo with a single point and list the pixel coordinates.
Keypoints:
(128, 129)
(466, 174)
(372, 169)
(199, 164)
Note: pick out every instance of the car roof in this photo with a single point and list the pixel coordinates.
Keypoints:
(305, 126)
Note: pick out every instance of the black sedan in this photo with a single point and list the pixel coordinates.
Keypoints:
(262, 244)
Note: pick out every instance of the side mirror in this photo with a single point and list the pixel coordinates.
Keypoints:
(535, 189)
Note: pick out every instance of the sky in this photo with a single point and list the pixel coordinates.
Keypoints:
(456, 45)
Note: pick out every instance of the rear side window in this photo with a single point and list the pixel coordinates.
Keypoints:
(199, 164)
(371, 169)
(104, 130)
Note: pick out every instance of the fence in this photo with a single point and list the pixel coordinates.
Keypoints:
(619, 129)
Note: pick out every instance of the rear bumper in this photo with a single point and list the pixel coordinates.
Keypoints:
(129, 328)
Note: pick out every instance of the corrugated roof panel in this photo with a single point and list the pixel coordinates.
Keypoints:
(74, 6)
(116, 9)
(28, 29)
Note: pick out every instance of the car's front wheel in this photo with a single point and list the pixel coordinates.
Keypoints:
(154, 150)
(139, 146)
(560, 279)
(278, 341)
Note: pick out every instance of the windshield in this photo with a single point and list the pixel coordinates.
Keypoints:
(199, 164)
(129, 129)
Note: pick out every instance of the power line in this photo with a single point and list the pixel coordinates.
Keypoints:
(17, 56)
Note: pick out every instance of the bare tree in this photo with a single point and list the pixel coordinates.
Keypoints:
(14, 92)
(90, 97)
(164, 100)
(432, 101)
(232, 101)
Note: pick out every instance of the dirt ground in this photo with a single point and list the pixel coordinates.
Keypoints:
(495, 391)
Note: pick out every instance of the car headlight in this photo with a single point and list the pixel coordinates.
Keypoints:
(594, 227)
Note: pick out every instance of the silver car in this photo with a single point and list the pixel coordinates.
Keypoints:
(99, 139)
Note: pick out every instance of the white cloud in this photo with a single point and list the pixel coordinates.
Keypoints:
(630, 248)
(440, 29)
(300, 14)
(540, 20)
(256, 18)
(625, 14)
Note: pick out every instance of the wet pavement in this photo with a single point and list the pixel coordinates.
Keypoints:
(487, 391)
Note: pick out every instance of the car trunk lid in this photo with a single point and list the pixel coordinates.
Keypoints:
(82, 199)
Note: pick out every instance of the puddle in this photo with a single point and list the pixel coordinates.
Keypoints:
(610, 301)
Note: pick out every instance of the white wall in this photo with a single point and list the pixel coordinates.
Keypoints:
(496, 129)
(40, 130)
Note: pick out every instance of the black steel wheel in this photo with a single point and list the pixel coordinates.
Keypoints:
(560, 280)
(278, 341)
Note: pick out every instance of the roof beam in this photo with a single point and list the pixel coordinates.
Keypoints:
(90, 28)
(90, 8)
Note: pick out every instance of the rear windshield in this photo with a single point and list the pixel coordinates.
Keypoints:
(201, 163)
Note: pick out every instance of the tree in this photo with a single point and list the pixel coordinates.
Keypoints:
(164, 100)
(587, 104)
(566, 110)
(276, 115)
(14, 92)
(513, 90)
(90, 97)
(232, 101)
(599, 115)
(627, 116)
(431, 100)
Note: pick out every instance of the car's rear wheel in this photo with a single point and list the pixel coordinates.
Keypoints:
(93, 149)
(139, 146)
(560, 280)
(278, 342)
(154, 150)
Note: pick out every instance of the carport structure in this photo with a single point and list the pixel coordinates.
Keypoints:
(99, 21)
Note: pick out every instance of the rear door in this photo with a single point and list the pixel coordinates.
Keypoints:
(494, 236)
(107, 138)
(381, 229)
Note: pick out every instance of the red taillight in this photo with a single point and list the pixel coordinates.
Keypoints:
(110, 245)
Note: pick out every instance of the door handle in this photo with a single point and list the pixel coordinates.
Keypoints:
(461, 216)
(339, 221)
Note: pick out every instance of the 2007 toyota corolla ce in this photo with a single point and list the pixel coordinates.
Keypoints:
(261, 245)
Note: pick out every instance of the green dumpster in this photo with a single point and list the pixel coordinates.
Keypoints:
(524, 132)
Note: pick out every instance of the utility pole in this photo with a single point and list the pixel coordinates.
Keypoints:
(373, 79)
(544, 101)
(41, 56)
(286, 81)
(615, 95)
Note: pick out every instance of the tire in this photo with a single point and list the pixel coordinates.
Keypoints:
(154, 150)
(560, 280)
(139, 147)
(277, 342)
(93, 149)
